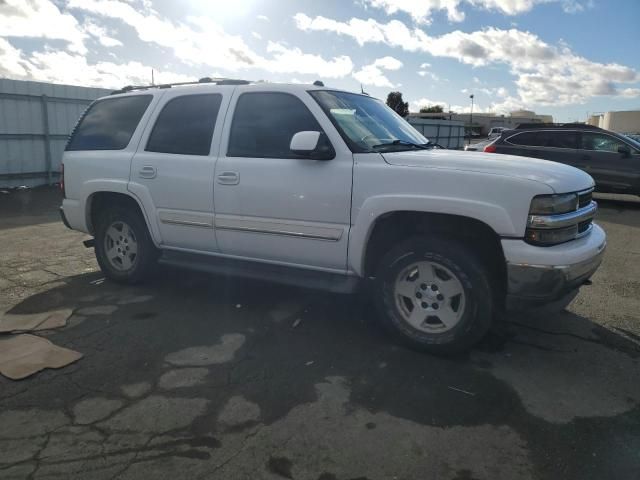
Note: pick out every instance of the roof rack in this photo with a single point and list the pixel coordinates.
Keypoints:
(534, 126)
(216, 81)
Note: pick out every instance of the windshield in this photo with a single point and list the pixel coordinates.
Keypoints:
(633, 139)
(366, 123)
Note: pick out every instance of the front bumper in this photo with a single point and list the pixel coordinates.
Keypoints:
(532, 282)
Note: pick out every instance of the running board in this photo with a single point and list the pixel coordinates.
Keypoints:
(296, 277)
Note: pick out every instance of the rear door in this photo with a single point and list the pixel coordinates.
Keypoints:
(172, 171)
(561, 146)
(612, 171)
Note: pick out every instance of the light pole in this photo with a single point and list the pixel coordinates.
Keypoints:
(471, 119)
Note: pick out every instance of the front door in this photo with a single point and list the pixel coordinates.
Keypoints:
(172, 171)
(274, 205)
(611, 170)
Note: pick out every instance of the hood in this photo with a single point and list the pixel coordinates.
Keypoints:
(561, 178)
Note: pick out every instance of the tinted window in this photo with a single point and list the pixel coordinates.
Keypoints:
(600, 142)
(560, 139)
(185, 125)
(264, 123)
(529, 139)
(109, 124)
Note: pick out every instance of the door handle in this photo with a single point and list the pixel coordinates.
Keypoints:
(148, 171)
(229, 178)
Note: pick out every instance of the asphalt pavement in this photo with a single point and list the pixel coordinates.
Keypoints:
(198, 376)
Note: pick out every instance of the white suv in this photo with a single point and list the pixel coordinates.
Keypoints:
(323, 188)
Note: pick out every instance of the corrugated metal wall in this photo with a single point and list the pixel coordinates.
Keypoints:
(446, 133)
(35, 120)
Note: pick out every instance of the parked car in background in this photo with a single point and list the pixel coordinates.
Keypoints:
(478, 146)
(496, 132)
(613, 160)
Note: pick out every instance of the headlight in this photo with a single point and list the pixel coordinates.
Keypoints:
(555, 219)
(554, 204)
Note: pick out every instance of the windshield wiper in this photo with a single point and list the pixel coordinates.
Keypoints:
(424, 146)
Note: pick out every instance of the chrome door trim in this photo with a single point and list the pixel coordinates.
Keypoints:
(278, 227)
(185, 219)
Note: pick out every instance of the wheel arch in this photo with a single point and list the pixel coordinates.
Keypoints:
(102, 199)
(390, 228)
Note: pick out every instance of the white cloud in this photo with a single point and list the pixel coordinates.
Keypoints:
(286, 60)
(40, 19)
(545, 74)
(264, 18)
(201, 42)
(422, 10)
(70, 68)
(11, 62)
(372, 74)
(630, 92)
(101, 35)
(388, 63)
(431, 75)
(425, 65)
(256, 35)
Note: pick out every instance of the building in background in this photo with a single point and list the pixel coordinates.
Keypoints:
(621, 122)
(35, 121)
(483, 122)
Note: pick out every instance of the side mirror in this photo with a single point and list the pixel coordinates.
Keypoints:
(624, 150)
(304, 143)
(312, 145)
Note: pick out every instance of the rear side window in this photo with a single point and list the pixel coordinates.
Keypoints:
(185, 125)
(264, 123)
(560, 139)
(109, 124)
(527, 139)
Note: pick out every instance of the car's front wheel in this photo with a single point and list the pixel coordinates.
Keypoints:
(435, 294)
(124, 249)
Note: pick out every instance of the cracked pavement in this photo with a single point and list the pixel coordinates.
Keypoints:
(196, 376)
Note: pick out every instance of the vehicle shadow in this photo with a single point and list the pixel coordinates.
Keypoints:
(552, 378)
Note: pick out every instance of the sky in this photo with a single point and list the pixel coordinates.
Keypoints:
(567, 58)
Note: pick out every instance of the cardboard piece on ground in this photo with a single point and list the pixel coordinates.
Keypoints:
(25, 322)
(24, 355)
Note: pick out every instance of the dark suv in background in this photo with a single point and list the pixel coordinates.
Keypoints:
(612, 160)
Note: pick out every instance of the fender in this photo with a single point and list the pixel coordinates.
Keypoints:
(104, 185)
(495, 216)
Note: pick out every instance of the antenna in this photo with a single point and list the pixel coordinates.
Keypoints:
(152, 81)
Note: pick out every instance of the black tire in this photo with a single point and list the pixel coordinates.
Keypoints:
(477, 314)
(147, 253)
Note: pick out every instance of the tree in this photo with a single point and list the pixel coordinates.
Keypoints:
(432, 109)
(395, 101)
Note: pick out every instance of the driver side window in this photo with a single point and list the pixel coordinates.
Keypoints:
(264, 123)
(600, 142)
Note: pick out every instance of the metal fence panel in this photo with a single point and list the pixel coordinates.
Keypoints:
(35, 120)
(447, 133)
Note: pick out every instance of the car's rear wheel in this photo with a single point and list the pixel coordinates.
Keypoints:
(435, 294)
(123, 246)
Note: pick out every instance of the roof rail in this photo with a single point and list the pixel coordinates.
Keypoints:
(216, 81)
(534, 126)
